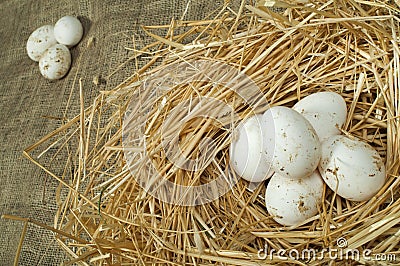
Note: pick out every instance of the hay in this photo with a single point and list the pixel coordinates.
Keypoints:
(350, 47)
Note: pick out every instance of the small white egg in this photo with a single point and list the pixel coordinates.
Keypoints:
(39, 41)
(292, 201)
(246, 151)
(291, 144)
(352, 168)
(55, 62)
(68, 31)
(326, 111)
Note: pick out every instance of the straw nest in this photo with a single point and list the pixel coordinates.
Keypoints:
(106, 217)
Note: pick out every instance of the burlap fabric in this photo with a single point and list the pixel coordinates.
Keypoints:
(28, 100)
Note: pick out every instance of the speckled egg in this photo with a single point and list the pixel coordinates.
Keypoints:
(292, 201)
(55, 62)
(326, 111)
(292, 148)
(39, 41)
(246, 151)
(352, 168)
(68, 30)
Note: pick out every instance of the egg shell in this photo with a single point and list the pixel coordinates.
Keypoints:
(246, 151)
(326, 111)
(292, 201)
(68, 30)
(55, 63)
(39, 41)
(352, 167)
(292, 147)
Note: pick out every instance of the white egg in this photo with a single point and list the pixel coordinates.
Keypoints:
(352, 168)
(39, 41)
(291, 144)
(292, 201)
(55, 62)
(246, 151)
(68, 31)
(326, 111)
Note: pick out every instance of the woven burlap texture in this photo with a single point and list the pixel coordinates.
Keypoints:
(28, 100)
